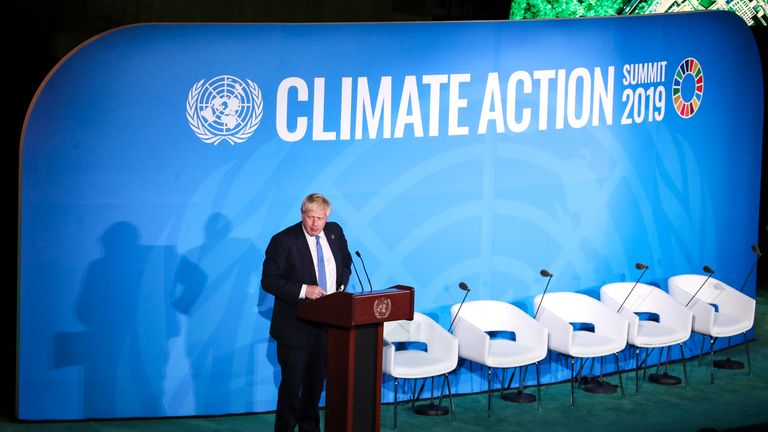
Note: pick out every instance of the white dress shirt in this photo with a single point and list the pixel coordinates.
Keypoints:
(330, 262)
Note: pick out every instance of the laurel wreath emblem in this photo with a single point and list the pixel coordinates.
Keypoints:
(205, 134)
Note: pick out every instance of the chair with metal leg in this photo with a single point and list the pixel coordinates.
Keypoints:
(440, 358)
(718, 311)
(582, 327)
(525, 345)
(668, 324)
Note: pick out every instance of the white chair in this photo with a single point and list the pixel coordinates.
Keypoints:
(718, 311)
(673, 325)
(441, 357)
(562, 309)
(471, 327)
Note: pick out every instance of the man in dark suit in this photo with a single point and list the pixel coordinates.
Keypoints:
(303, 262)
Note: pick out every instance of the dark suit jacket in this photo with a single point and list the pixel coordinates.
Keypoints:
(287, 265)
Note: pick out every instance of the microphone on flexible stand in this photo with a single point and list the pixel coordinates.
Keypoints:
(756, 250)
(664, 378)
(365, 270)
(466, 290)
(519, 396)
(639, 266)
(728, 362)
(432, 408)
(591, 384)
(544, 273)
(362, 288)
(707, 269)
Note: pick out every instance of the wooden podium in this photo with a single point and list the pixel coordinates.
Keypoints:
(355, 334)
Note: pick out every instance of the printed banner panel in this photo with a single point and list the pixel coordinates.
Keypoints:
(158, 160)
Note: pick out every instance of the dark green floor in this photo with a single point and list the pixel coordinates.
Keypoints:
(736, 401)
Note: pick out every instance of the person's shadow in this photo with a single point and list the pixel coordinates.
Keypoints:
(213, 280)
(124, 305)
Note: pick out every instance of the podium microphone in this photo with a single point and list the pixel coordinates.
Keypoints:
(362, 288)
(544, 273)
(639, 266)
(756, 250)
(365, 270)
(466, 290)
(707, 269)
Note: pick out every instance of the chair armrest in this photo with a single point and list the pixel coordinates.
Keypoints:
(473, 342)
(674, 315)
(609, 323)
(633, 322)
(560, 331)
(528, 331)
(439, 342)
(703, 313)
(703, 316)
(734, 303)
(388, 358)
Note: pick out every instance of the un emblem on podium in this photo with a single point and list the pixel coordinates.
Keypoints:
(224, 108)
(381, 308)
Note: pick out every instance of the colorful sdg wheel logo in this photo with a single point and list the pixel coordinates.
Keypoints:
(688, 87)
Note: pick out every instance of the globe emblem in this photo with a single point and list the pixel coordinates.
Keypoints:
(224, 108)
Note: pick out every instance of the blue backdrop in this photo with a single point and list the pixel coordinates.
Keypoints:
(158, 160)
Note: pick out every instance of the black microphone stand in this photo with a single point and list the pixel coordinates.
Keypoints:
(756, 250)
(432, 408)
(707, 269)
(362, 288)
(545, 273)
(365, 270)
(466, 290)
(519, 396)
(639, 266)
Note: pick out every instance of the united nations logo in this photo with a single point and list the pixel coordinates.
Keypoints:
(224, 108)
(381, 308)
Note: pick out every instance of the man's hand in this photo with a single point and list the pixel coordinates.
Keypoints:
(314, 292)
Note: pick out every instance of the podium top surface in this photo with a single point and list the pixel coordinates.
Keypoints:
(344, 309)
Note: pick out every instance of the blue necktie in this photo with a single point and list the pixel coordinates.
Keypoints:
(321, 266)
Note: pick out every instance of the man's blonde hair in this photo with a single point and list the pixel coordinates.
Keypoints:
(316, 201)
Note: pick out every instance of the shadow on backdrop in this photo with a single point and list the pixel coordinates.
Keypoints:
(124, 306)
(213, 281)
